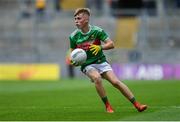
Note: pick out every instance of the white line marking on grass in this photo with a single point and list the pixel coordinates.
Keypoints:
(162, 107)
(85, 107)
(124, 107)
(177, 107)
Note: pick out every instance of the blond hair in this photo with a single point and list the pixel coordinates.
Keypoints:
(82, 10)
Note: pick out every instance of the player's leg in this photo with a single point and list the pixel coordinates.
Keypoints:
(96, 78)
(111, 77)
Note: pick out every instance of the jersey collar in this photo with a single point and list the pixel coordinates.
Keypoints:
(90, 28)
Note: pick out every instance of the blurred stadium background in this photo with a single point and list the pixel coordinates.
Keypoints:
(34, 37)
(33, 47)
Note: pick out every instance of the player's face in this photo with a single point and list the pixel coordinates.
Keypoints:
(81, 20)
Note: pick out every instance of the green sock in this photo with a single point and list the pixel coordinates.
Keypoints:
(133, 100)
(105, 99)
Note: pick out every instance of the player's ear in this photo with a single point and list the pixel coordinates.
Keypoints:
(86, 18)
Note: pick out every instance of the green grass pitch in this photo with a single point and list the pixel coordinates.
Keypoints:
(77, 100)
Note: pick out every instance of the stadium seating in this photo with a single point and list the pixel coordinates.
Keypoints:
(28, 40)
(126, 32)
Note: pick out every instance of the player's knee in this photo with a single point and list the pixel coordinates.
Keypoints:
(97, 79)
(116, 83)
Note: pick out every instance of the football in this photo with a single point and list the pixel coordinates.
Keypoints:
(79, 56)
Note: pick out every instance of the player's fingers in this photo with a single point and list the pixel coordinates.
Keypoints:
(91, 49)
(76, 64)
(91, 46)
(96, 52)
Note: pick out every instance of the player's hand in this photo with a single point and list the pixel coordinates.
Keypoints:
(95, 48)
(74, 63)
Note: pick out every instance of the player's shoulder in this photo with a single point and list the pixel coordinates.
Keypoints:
(74, 33)
(97, 28)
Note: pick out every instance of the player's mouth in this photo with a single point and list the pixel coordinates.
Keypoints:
(78, 26)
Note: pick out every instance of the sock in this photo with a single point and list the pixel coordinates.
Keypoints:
(105, 100)
(134, 102)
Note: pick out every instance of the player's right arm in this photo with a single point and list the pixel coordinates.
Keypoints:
(68, 58)
(72, 47)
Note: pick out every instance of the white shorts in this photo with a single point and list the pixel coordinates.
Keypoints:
(101, 68)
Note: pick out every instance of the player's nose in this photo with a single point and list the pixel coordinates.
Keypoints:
(76, 21)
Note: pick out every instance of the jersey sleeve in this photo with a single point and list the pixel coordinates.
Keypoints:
(72, 43)
(102, 35)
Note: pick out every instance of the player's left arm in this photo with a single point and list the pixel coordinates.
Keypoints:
(108, 44)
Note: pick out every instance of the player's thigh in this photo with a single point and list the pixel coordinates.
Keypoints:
(93, 74)
(110, 76)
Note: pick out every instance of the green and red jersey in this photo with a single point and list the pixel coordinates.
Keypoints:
(96, 35)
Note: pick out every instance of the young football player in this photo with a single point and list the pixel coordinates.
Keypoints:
(94, 40)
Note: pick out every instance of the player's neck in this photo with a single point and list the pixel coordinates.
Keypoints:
(85, 29)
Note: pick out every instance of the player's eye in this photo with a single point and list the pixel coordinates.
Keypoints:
(78, 18)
